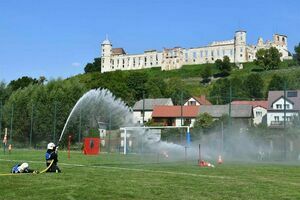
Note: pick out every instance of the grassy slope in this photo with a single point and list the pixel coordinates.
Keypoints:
(118, 177)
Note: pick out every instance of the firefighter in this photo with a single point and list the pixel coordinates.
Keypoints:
(51, 155)
(22, 168)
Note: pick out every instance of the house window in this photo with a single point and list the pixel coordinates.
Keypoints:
(195, 55)
(287, 118)
(258, 113)
(292, 94)
(192, 103)
(287, 106)
(186, 57)
(278, 106)
(276, 118)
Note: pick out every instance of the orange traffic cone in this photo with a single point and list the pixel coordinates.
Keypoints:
(220, 161)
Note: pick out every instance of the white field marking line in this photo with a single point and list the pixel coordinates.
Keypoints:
(133, 169)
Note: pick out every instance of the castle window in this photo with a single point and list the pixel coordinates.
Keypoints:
(201, 54)
(212, 53)
(223, 52)
(206, 53)
(241, 49)
(194, 55)
(241, 55)
(231, 52)
(186, 57)
(218, 52)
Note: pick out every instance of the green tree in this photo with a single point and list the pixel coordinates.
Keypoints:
(219, 92)
(206, 74)
(203, 121)
(276, 83)
(155, 87)
(268, 58)
(93, 67)
(22, 83)
(137, 83)
(176, 89)
(224, 65)
(253, 86)
(297, 53)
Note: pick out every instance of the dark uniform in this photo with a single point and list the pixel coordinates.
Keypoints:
(50, 155)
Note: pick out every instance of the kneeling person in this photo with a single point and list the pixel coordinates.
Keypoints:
(51, 155)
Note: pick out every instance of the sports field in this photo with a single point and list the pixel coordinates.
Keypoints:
(115, 176)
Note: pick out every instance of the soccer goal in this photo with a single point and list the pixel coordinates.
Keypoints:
(150, 135)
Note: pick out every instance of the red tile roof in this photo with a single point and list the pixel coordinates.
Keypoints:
(263, 104)
(175, 111)
(202, 100)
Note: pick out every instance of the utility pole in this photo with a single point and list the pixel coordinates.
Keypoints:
(79, 128)
(109, 135)
(284, 120)
(0, 117)
(230, 99)
(143, 107)
(181, 113)
(54, 122)
(11, 123)
(31, 126)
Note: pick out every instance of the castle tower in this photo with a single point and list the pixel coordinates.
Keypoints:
(240, 47)
(280, 42)
(106, 50)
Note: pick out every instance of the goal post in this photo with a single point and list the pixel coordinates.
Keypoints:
(126, 129)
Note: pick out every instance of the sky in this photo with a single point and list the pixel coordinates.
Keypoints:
(57, 38)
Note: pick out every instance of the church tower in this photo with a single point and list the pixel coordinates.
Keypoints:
(106, 50)
(240, 47)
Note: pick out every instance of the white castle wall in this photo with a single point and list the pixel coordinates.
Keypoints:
(236, 49)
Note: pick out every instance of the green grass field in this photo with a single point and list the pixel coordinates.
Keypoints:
(115, 176)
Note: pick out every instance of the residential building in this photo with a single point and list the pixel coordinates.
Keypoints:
(196, 101)
(143, 108)
(241, 114)
(259, 110)
(175, 115)
(283, 108)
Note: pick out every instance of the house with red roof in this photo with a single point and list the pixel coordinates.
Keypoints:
(259, 110)
(196, 101)
(175, 115)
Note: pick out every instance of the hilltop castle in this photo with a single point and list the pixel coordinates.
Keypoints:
(236, 49)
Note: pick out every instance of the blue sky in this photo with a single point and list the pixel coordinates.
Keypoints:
(56, 38)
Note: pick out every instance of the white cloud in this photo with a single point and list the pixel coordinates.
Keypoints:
(76, 64)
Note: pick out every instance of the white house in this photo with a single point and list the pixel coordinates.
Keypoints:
(283, 108)
(197, 101)
(144, 108)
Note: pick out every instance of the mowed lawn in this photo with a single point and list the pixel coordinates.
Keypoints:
(115, 176)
